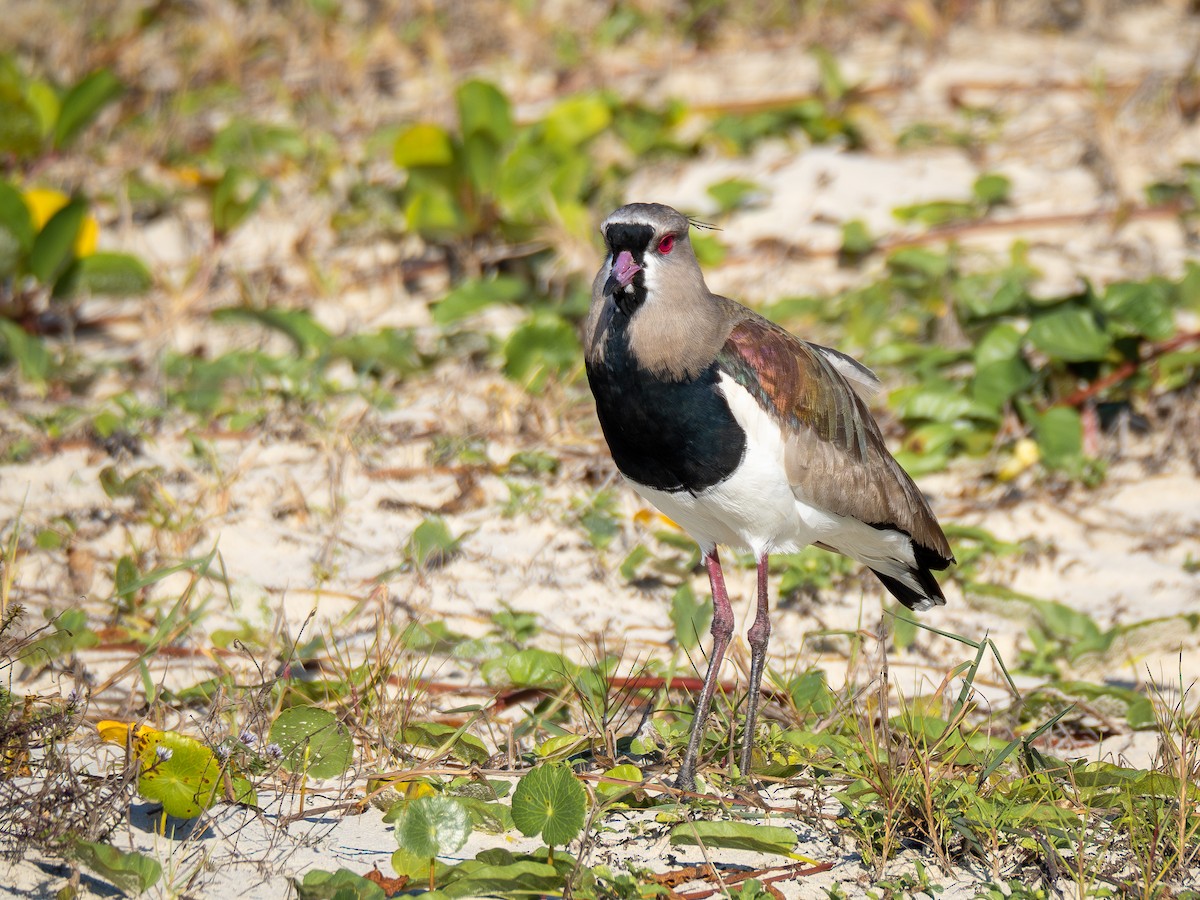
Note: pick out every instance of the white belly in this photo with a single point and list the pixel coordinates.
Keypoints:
(755, 508)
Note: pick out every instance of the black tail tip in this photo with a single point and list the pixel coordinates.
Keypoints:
(928, 597)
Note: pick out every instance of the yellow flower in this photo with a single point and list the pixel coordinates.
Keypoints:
(43, 204)
(1025, 454)
(118, 732)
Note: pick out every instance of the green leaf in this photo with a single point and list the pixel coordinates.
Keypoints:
(484, 110)
(991, 189)
(1139, 309)
(928, 264)
(577, 119)
(708, 249)
(16, 229)
(431, 545)
(690, 615)
(936, 212)
(482, 158)
(131, 872)
(177, 771)
(71, 633)
(524, 180)
(83, 103)
(631, 566)
(732, 193)
(546, 344)
(735, 836)
(935, 403)
(313, 742)
(856, 240)
(833, 82)
(417, 868)
(534, 667)
(53, 247)
(309, 336)
(21, 126)
(433, 211)
(435, 736)
(607, 790)
(810, 692)
(340, 885)
(431, 826)
(1069, 334)
(998, 382)
(388, 350)
(518, 879)
(248, 143)
(423, 145)
(984, 295)
(550, 801)
(475, 294)
(238, 194)
(113, 274)
(1002, 343)
(45, 102)
(26, 350)
(1059, 433)
(494, 818)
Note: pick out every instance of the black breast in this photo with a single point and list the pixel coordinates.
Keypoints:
(669, 435)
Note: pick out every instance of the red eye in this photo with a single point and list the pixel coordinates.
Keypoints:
(666, 244)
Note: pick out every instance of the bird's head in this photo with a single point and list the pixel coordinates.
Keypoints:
(649, 256)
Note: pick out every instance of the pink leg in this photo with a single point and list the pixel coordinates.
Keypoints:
(758, 636)
(722, 632)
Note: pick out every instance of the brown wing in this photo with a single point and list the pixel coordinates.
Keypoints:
(835, 456)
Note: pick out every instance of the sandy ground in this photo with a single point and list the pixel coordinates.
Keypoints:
(305, 520)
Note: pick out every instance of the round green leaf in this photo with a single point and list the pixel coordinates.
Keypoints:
(551, 802)
(177, 771)
(313, 741)
(430, 826)
(423, 145)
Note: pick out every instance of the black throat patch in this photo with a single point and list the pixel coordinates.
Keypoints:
(668, 435)
(636, 239)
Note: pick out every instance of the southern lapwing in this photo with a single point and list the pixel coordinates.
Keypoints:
(744, 435)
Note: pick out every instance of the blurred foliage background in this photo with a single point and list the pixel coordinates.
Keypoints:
(229, 228)
(214, 168)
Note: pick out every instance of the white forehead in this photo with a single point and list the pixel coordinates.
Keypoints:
(655, 215)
